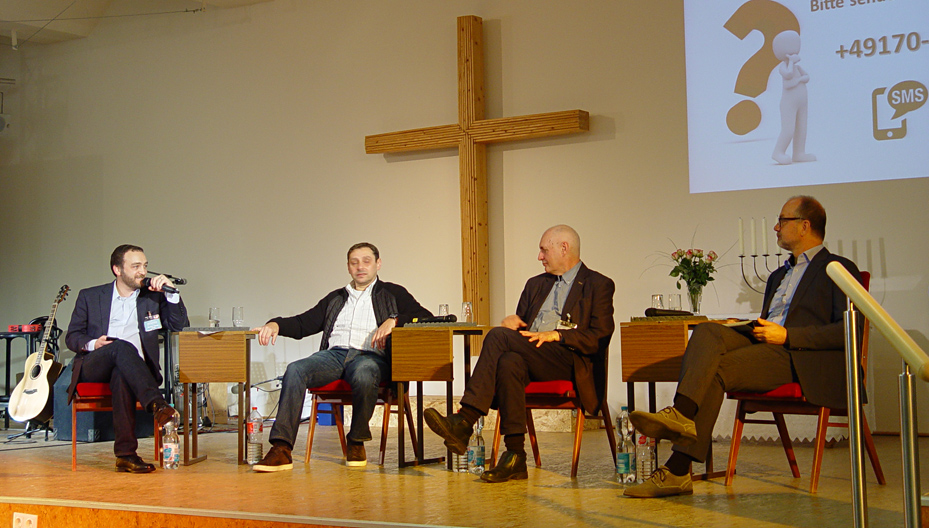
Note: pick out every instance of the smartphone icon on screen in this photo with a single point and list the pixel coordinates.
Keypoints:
(881, 115)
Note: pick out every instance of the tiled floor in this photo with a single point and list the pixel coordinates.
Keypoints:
(763, 495)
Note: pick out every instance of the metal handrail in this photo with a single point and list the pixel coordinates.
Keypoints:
(914, 356)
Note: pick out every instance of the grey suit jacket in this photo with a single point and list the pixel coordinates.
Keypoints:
(816, 330)
(91, 319)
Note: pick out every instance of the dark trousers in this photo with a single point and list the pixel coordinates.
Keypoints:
(130, 379)
(718, 360)
(508, 362)
(363, 371)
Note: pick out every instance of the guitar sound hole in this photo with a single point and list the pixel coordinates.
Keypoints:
(36, 370)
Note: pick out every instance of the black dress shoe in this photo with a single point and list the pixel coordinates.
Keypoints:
(455, 430)
(512, 466)
(163, 412)
(133, 464)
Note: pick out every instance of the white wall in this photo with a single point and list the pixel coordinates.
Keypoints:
(229, 144)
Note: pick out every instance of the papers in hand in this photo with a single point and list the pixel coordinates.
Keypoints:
(743, 327)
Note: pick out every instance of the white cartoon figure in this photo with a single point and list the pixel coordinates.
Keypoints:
(786, 47)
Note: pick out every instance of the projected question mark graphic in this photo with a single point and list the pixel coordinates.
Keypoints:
(770, 18)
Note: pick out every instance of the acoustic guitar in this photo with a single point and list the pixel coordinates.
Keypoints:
(30, 399)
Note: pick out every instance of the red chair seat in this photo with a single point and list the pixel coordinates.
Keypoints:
(559, 387)
(788, 390)
(336, 386)
(90, 390)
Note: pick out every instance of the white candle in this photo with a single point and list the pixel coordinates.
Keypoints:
(752, 228)
(764, 235)
(741, 238)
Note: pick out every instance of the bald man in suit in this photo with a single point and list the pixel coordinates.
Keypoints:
(800, 337)
(563, 320)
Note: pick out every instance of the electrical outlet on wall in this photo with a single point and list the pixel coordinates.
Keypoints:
(25, 520)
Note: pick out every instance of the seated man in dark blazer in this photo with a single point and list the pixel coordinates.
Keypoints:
(114, 332)
(563, 319)
(800, 337)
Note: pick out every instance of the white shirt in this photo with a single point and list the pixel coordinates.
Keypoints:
(356, 323)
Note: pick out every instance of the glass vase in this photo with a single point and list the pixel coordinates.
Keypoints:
(695, 295)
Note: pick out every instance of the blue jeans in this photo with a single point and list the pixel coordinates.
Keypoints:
(363, 370)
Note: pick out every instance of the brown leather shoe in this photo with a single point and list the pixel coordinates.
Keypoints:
(512, 466)
(356, 456)
(454, 429)
(278, 458)
(133, 464)
(163, 412)
(666, 424)
(662, 483)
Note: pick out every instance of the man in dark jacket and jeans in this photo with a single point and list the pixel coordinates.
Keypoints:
(355, 321)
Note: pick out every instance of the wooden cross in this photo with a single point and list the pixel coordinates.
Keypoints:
(471, 135)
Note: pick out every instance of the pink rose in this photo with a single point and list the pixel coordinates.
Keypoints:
(698, 253)
(674, 255)
(690, 253)
(711, 256)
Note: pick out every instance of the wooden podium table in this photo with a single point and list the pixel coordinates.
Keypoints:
(653, 351)
(208, 355)
(424, 353)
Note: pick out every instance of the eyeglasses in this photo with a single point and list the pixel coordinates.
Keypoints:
(781, 220)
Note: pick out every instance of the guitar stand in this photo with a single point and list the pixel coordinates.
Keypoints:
(31, 427)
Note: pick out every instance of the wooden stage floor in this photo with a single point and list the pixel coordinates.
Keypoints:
(36, 478)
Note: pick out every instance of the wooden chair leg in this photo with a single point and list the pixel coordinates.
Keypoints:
(608, 423)
(735, 444)
(496, 442)
(872, 452)
(788, 445)
(414, 436)
(337, 412)
(578, 436)
(312, 430)
(821, 427)
(382, 452)
(73, 436)
(530, 426)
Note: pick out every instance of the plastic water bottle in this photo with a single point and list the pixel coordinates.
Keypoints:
(254, 430)
(646, 458)
(625, 458)
(170, 446)
(476, 449)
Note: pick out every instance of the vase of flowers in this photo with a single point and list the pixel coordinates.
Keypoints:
(695, 268)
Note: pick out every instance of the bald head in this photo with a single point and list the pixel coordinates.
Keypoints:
(559, 249)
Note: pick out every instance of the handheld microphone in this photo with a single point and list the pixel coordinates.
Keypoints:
(450, 318)
(176, 280)
(147, 281)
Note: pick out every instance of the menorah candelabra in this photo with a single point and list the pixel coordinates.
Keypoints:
(777, 256)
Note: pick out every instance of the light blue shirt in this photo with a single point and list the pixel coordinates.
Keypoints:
(780, 303)
(550, 313)
(124, 319)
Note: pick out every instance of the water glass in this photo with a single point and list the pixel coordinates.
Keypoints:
(674, 301)
(238, 316)
(214, 317)
(658, 301)
(467, 315)
(443, 309)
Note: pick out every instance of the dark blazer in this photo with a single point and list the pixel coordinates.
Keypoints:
(91, 319)
(816, 329)
(590, 305)
(388, 299)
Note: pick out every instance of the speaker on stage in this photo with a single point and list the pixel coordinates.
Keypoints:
(91, 426)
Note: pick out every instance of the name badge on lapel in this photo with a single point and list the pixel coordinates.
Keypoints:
(152, 322)
(566, 324)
